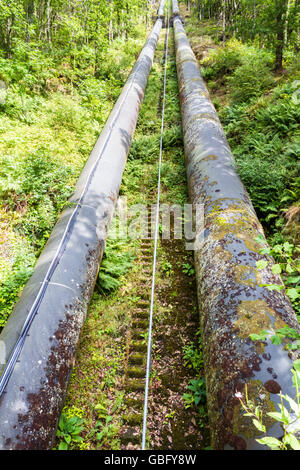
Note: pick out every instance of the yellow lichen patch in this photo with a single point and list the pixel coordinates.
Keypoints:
(209, 116)
(253, 316)
(247, 275)
(225, 255)
(260, 397)
(238, 222)
(209, 157)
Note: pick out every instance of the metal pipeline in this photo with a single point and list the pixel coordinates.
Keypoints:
(232, 300)
(42, 333)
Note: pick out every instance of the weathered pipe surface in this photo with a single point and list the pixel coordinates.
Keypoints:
(232, 302)
(35, 391)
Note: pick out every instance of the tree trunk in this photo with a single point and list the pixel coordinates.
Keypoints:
(200, 9)
(254, 19)
(224, 21)
(281, 7)
(286, 22)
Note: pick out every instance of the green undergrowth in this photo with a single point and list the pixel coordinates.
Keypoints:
(117, 260)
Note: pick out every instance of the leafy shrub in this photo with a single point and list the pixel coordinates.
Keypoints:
(145, 147)
(222, 62)
(172, 137)
(281, 117)
(20, 105)
(250, 79)
(244, 67)
(66, 112)
(94, 95)
(10, 290)
(69, 430)
(16, 263)
(266, 148)
(38, 183)
(265, 181)
(116, 262)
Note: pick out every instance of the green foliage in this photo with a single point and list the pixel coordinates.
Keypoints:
(271, 24)
(39, 184)
(67, 24)
(105, 432)
(116, 262)
(265, 180)
(287, 266)
(172, 137)
(188, 269)
(223, 62)
(265, 145)
(11, 288)
(66, 112)
(166, 268)
(62, 73)
(289, 418)
(68, 431)
(250, 80)
(197, 394)
(193, 357)
(145, 147)
(282, 333)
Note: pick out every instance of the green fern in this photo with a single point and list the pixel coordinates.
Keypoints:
(116, 262)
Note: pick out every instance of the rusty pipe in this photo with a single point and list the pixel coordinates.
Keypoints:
(232, 300)
(42, 333)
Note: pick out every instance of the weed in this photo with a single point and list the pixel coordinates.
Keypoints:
(68, 431)
(287, 266)
(188, 269)
(193, 357)
(289, 419)
(166, 268)
(197, 395)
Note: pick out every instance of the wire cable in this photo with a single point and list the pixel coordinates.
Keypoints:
(155, 248)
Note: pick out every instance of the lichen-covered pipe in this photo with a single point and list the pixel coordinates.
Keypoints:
(57, 295)
(232, 300)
